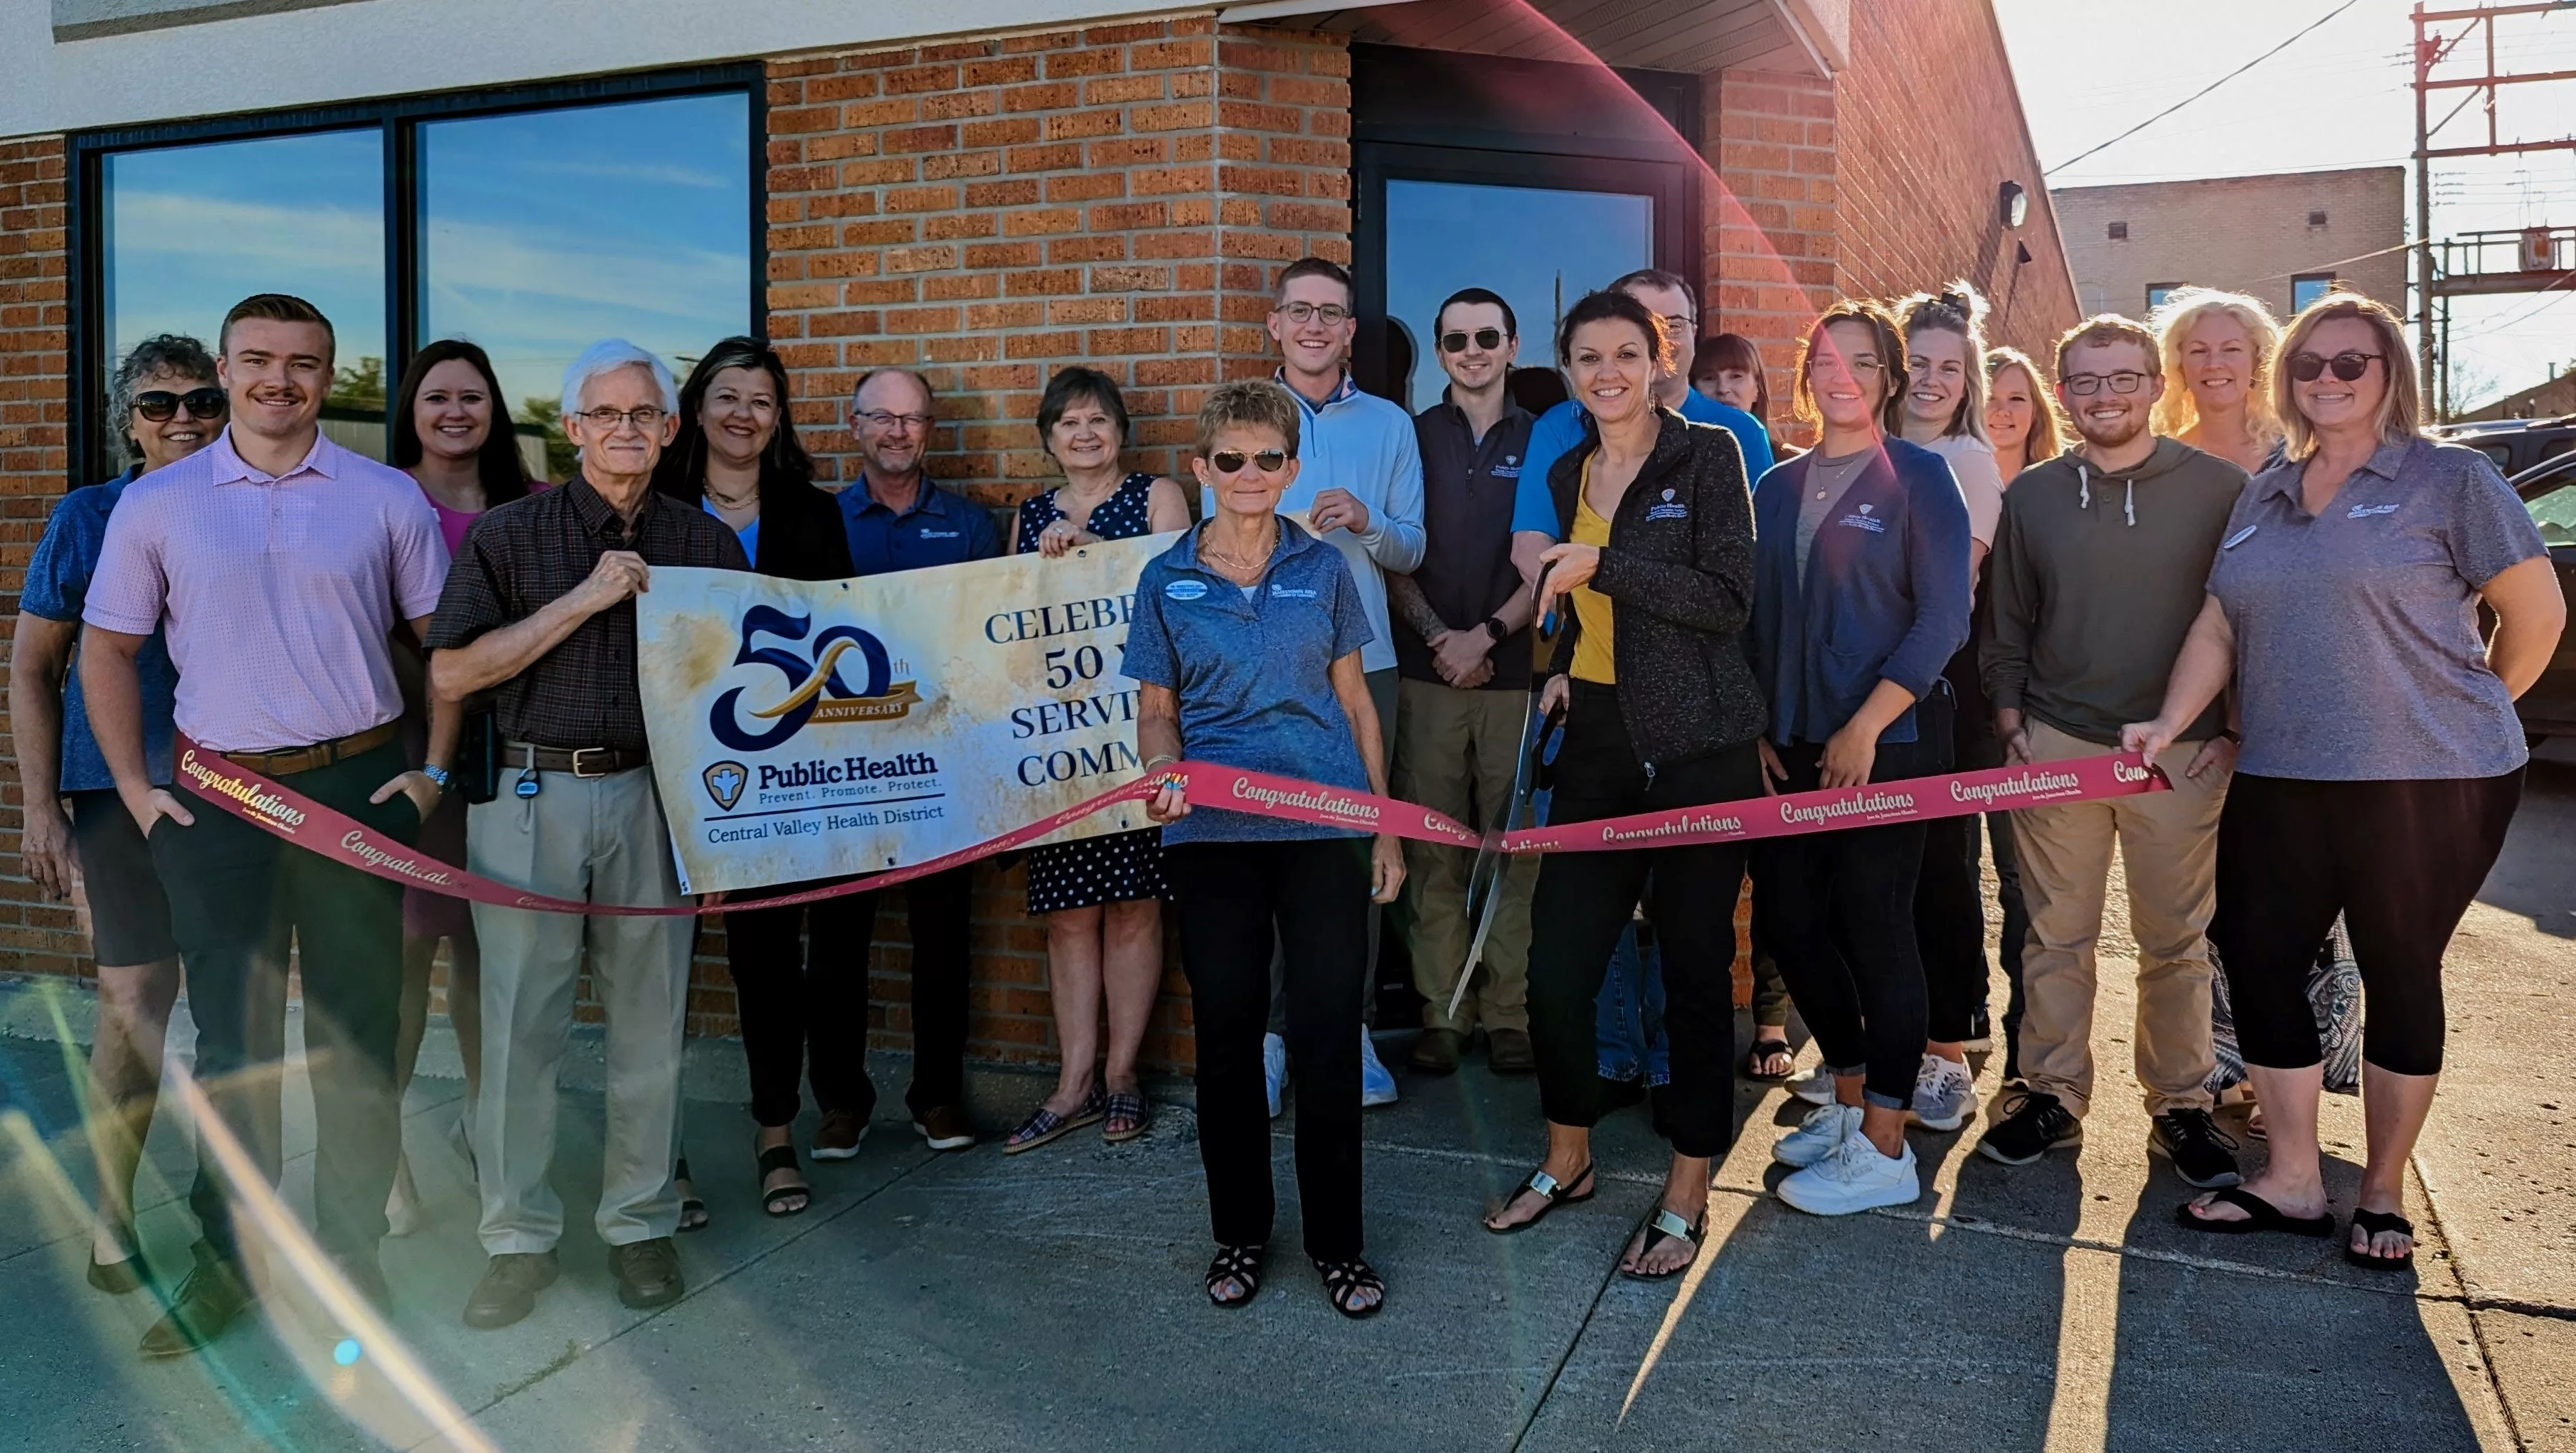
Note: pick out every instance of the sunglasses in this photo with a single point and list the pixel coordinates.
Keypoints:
(2348, 365)
(1231, 461)
(201, 403)
(1488, 339)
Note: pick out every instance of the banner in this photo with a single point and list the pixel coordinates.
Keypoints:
(812, 729)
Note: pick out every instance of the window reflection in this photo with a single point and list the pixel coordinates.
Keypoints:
(545, 231)
(1541, 248)
(192, 230)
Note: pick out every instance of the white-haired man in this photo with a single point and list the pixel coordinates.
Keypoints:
(539, 608)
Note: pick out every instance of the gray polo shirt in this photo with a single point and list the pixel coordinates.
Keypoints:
(2357, 648)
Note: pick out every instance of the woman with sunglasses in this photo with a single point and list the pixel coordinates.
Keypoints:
(1660, 712)
(452, 435)
(165, 392)
(2217, 349)
(2382, 760)
(736, 456)
(1245, 643)
(1101, 896)
(1861, 600)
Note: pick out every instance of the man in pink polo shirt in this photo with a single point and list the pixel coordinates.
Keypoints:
(279, 564)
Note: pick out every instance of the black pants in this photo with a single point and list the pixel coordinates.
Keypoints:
(1839, 907)
(1949, 903)
(1232, 898)
(800, 980)
(1584, 900)
(2399, 860)
(238, 897)
(936, 909)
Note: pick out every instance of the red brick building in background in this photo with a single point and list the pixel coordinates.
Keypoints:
(1117, 191)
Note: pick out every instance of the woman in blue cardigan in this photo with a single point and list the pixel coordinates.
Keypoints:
(1861, 583)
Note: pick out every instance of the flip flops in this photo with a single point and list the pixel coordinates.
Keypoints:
(2376, 1224)
(2260, 1215)
(1664, 1226)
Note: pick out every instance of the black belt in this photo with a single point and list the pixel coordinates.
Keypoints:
(579, 761)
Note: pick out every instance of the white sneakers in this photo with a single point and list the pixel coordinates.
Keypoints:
(1854, 1177)
(1274, 1069)
(1825, 1127)
(1815, 1085)
(1945, 1095)
(1377, 1086)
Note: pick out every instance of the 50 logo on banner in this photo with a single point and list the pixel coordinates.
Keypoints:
(815, 688)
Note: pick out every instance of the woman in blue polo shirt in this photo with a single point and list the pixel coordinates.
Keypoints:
(1860, 597)
(1246, 642)
(2382, 759)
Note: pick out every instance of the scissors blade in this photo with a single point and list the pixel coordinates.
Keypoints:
(1484, 882)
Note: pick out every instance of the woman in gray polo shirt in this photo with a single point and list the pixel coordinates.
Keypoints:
(2382, 760)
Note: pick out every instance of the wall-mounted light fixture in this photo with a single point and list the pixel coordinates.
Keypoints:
(2012, 201)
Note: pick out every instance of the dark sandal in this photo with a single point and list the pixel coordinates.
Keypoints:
(1127, 1118)
(1345, 1280)
(693, 1207)
(1764, 1049)
(2260, 1215)
(777, 1158)
(2376, 1224)
(1044, 1125)
(1550, 1190)
(1240, 1264)
(1664, 1226)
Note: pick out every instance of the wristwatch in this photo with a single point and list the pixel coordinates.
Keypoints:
(2233, 735)
(1495, 628)
(439, 775)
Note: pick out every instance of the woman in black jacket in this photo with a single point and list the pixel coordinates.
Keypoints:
(737, 457)
(1662, 712)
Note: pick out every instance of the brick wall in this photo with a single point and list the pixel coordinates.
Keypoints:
(2246, 234)
(1774, 231)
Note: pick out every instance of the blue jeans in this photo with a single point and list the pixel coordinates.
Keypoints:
(1629, 1015)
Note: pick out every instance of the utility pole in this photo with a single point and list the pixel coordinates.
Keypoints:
(2523, 260)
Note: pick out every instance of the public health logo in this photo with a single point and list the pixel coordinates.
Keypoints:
(816, 690)
(725, 781)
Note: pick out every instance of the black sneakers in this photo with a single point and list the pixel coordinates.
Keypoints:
(2037, 1125)
(2202, 1154)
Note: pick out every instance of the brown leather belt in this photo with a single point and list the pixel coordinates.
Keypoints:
(579, 761)
(291, 760)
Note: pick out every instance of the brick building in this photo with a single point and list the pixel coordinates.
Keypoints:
(2283, 238)
(1040, 183)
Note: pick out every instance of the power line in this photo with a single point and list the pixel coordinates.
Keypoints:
(2205, 90)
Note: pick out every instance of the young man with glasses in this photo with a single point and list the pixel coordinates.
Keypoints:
(276, 565)
(898, 520)
(2100, 567)
(1359, 482)
(1462, 651)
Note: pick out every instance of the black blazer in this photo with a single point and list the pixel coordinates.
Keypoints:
(1679, 573)
(801, 537)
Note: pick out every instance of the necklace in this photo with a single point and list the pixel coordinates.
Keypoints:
(729, 505)
(1234, 566)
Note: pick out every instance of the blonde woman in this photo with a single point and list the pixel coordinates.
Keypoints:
(2217, 353)
(2022, 422)
(2382, 759)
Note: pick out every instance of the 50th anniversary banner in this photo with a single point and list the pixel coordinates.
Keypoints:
(803, 730)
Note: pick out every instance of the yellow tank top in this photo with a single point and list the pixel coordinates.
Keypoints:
(1592, 655)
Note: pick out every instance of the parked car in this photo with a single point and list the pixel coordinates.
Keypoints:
(2514, 444)
(2548, 490)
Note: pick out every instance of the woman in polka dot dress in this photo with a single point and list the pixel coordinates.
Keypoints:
(1101, 896)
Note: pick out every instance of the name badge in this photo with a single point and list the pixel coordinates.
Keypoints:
(2239, 538)
(1185, 590)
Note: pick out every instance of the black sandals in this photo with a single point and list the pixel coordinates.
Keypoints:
(1240, 1265)
(1345, 1280)
(1550, 1190)
(778, 1158)
(693, 1208)
(2376, 1224)
(2260, 1215)
(1664, 1226)
(1761, 1054)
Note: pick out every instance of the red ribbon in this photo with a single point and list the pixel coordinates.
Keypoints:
(285, 813)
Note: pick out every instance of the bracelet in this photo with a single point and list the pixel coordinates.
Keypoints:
(1153, 762)
(439, 775)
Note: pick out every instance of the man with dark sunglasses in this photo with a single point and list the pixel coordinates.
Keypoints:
(1462, 653)
(2099, 566)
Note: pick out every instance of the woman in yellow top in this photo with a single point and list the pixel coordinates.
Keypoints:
(1661, 712)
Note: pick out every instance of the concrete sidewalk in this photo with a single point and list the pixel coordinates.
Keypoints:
(1052, 1300)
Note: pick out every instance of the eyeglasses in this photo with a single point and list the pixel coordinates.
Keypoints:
(2086, 385)
(1488, 339)
(1231, 461)
(891, 422)
(1331, 315)
(645, 419)
(2348, 365)
(201, 403)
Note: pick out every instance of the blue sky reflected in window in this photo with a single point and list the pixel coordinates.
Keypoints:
(192, 230)
(1541, 248)
(546, 231)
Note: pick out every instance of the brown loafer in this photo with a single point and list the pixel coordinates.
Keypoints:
(647, 1272)
(946, 1127)
(205, 1304)
(508, 1290)
(1508, 1051)
(840, 1134)
(1436, 1052)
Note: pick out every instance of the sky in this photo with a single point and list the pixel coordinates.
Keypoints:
(2339, 97)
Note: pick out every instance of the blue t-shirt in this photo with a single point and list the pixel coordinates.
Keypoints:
(1561, 428)
(57, 585)
(941, 528)
(1253, 670)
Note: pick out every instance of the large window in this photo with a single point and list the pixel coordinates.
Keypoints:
(533, 224)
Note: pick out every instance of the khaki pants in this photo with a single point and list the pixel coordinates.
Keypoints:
(2169, 848)
(601, 839)
(1456, 752)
